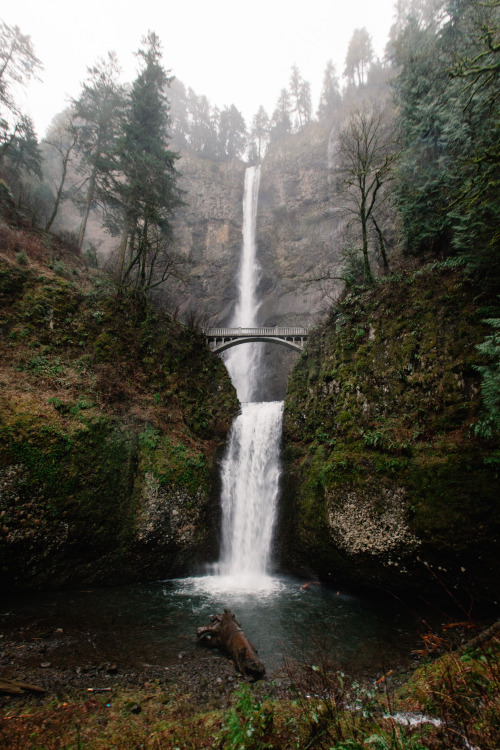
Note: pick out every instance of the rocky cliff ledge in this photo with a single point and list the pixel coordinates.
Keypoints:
(111, 418)
(387, 485)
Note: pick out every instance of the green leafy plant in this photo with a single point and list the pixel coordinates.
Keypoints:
(249, 724)
(150, 437)
(22, 258)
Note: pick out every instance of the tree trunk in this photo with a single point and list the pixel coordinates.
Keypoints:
(59, 192)
(364, 234)
(381, 245)
(88, 204)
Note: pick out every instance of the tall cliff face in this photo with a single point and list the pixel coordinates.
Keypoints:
(111, 419)
(295, 235)
(388, 486)
(208, 236)
(296, 232)
(296, 229)
(296, 226)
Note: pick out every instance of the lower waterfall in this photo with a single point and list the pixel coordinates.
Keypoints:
(250, 476)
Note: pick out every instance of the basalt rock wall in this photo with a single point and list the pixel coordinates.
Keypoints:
(387, 485)
(295, 234)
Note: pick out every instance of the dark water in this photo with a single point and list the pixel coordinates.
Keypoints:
(153, 623)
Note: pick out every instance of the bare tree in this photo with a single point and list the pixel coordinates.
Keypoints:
(364, 166)
(62, 141)
(18, 64)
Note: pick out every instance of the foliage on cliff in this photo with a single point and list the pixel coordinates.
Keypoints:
(111, 415)
(389, 482)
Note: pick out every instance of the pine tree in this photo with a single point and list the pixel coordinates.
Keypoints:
(448, 96)
(146, 189)
(358, 58)
(300, 94)
(280, 122)
(330, 93)
(232, 133)
(99, 111)
(259, 135)
(203, 125)
(18, 64)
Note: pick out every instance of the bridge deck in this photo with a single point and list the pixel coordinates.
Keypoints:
(221, 339)
(279, 331)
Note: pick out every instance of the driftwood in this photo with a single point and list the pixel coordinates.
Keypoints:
(11, 687)
(225, 632)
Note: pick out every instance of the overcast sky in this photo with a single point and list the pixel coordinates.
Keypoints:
(233, 52)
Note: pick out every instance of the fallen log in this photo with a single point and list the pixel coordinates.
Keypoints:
(225, 632)
(11, 687)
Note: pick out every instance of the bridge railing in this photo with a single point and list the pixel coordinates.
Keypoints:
(269, 331)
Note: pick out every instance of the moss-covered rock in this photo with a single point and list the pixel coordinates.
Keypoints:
(111, 419)
(387, 484)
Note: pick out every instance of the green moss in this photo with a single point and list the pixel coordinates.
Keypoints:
(105, 394)
(83, 478)
(385, 397)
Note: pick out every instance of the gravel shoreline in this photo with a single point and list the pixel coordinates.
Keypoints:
(60, 661)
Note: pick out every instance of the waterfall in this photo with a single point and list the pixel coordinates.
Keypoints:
(250, 470)
(250, 475)
(242, 361)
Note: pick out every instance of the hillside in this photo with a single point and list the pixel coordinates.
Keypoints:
(388, 485)
(111, 418)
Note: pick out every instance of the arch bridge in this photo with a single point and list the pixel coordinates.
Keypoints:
(220, 339)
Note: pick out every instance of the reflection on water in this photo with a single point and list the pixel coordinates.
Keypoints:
(152, 623)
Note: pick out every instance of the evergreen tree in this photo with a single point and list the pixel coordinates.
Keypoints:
(358, 58)
(280, 122)
(179, 126)
(146, 187)
(476, 75)
(22, 163)
(300, 95)
(203, 125)
(98, 111)
(330, 93)
(231, 133)
(259, 134)
(448, 96)
(18, 143)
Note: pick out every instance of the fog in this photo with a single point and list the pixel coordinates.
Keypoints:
(234, 53)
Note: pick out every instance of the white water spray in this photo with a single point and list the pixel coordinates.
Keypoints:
(250, 471)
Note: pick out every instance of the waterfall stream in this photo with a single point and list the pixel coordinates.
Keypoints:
(283, 616)
(250, 471)
(250, 474)
(242, 361)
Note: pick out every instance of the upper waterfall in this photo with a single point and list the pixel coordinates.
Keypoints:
(242, 362)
